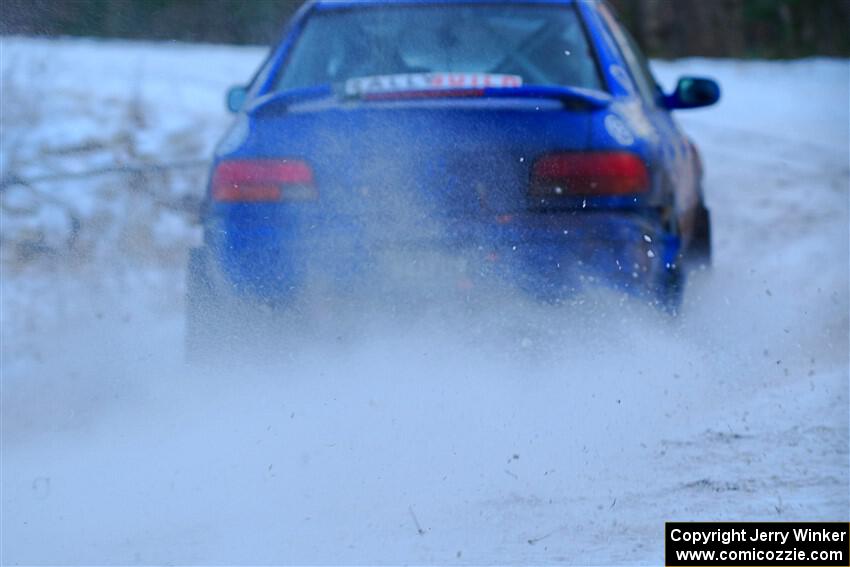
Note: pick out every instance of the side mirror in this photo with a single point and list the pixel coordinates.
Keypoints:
(693, 92)
(236, 97)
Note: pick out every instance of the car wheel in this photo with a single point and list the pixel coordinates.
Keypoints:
(206, 311)
(671, 289)
(699, 253)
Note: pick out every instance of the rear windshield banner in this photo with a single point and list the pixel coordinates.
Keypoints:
(429, 81)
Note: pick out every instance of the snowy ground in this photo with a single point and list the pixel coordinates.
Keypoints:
(415, 445)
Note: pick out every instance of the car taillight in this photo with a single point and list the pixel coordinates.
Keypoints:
(259, 180)
(588, 174)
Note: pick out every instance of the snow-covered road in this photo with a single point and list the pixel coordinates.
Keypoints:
(420, 444)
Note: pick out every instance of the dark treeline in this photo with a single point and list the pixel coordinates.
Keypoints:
(739, 28)
(666, 28)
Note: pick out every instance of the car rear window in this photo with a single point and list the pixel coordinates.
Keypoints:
(545, 45)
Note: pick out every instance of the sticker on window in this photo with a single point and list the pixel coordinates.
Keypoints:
(412, 82)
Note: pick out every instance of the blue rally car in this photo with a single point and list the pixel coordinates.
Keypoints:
(412, 146)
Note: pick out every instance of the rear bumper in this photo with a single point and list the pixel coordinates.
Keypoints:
(545, 255)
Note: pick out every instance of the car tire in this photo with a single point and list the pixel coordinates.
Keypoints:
(700, 253)
(198, 297)
(206, 310)
(220, 325)
(671, 289)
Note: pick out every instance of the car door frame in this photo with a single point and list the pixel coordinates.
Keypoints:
(628, 75)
